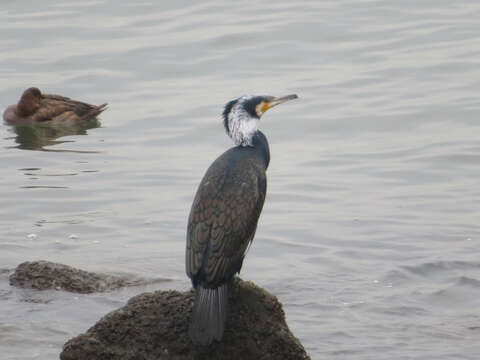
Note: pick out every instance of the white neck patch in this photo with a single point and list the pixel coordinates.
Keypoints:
(241, 125)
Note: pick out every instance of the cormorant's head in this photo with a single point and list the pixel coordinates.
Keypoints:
(241, 116)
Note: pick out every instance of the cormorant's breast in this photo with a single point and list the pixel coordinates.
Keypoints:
(225, 212)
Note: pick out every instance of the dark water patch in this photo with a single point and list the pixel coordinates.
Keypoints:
(450, 160)
(455, 295)
(437, 267)
(340, 336)
(4, 271)
(43, 187)
(73, 151)
(72, 221)
(299, 245)
(65, 174)
(396, 276)
(342, 353)
(33, 300)
(5, 294)
(29, 169)
(403, 311)
(468, 281)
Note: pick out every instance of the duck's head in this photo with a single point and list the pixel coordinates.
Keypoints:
(29, 102)
(241, 116)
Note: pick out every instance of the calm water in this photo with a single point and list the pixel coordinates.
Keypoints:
(370, 234)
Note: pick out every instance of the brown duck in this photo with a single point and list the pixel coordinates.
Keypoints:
(35, 107)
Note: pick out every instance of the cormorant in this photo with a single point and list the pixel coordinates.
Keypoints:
(35, 107)
(224, 214)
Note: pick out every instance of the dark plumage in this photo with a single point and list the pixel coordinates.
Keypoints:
(224, 215)
(35, 107)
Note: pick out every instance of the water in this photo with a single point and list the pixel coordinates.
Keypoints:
(370, 231)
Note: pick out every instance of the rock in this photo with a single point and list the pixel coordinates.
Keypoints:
(153, 326)
(42, 275)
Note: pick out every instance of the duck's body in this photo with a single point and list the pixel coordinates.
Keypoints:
(35, 107)
(224, 215)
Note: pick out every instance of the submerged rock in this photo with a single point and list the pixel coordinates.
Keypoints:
(43, 275)
(153, 326)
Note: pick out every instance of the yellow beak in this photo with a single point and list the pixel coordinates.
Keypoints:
(272, 101)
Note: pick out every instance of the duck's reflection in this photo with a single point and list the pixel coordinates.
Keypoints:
(38, 136)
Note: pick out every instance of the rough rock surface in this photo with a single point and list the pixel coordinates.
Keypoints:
(153, 326)
(42, 275)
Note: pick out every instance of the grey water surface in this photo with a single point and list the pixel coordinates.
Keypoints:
(370, 234)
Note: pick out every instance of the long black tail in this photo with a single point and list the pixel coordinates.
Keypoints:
(209, 314)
